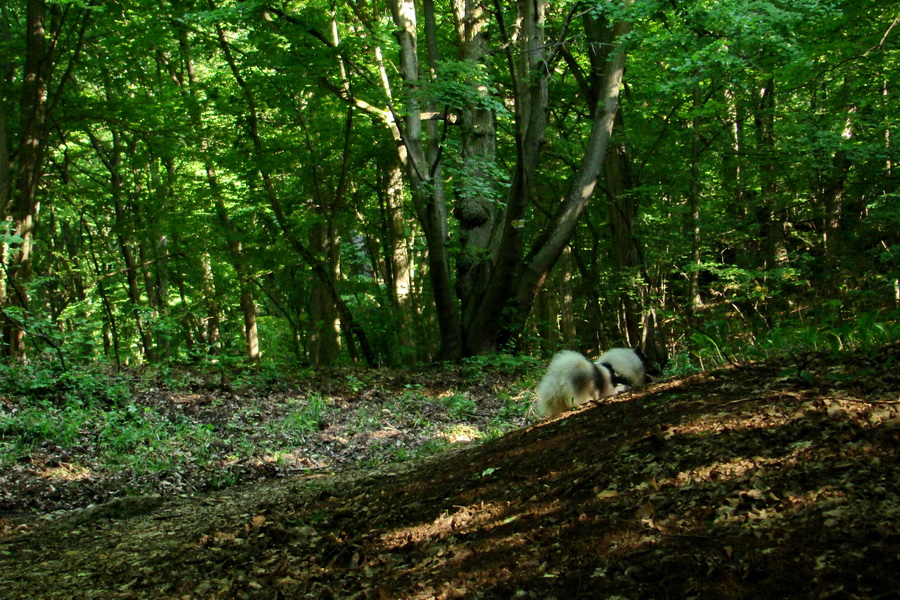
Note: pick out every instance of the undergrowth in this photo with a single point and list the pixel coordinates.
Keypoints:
(89, 422)
(720, 342)
(217, 424)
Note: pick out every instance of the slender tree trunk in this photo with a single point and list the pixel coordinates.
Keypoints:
(324, 343)
(164, 181)
(734, 175)
(773, 217)
(567, 299)
(112, 160)
(428, 198)
(890, 177)
(187, 319)
(832, 196)
(624, 255)
(213, 309)
(320, 271)
(695, 302)
(235, 248)
(111, 328)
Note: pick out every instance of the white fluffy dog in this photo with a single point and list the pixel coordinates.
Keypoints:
(572, 379)
(628, 363)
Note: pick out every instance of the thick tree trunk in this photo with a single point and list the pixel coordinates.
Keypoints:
(398, 272)
(475, 208)
(22, 203)
(487, 326)
(515, 283)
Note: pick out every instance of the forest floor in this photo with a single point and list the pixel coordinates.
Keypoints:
(777, 480)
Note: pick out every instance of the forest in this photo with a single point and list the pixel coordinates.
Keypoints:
(311, 183)
(280, 278)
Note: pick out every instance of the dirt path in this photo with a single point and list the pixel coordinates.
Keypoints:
(750, 482)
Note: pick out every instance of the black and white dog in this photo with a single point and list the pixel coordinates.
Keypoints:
(572, 379)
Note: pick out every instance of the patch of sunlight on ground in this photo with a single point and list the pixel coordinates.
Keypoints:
(67, 472)
(460, 433)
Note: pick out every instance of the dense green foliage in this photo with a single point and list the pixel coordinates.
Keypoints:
(209, 163)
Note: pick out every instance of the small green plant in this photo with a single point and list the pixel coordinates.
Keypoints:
(512, 409)
(128, 435)
(38, 423)
(433, 446)
(43, 380)
(681, 365)
(310, 417)
(460, 406)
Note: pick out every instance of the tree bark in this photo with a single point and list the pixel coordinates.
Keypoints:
(515, 283)
(21, 204)
(694, 235)
(428, 198)
(112, 160)
(475, 208)
(235, 249)
(772, 217)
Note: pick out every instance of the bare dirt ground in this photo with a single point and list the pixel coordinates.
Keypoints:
(754, 481)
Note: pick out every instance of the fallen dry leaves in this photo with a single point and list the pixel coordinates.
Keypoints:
(756, 481)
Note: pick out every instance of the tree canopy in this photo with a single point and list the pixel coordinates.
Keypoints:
(388, 182)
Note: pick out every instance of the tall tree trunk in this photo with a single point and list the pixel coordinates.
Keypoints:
(324, 343)
(695, 302)
(428, 198)
(832, 195)
(110, 325)
(164, 182)
(735, 176)
(624, 256)
(494, 310)
(22, 205)
(505, 289)
(44, 23)
(233, 237)
(398, 270)
(112, 160)
(475, 208)
(515, 282)
(566, 296)
(213, 333)
(772, 217)
(354, 331)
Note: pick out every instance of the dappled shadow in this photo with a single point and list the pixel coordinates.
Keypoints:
(751, 482)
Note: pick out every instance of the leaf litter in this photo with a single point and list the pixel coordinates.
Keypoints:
(752, 481)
